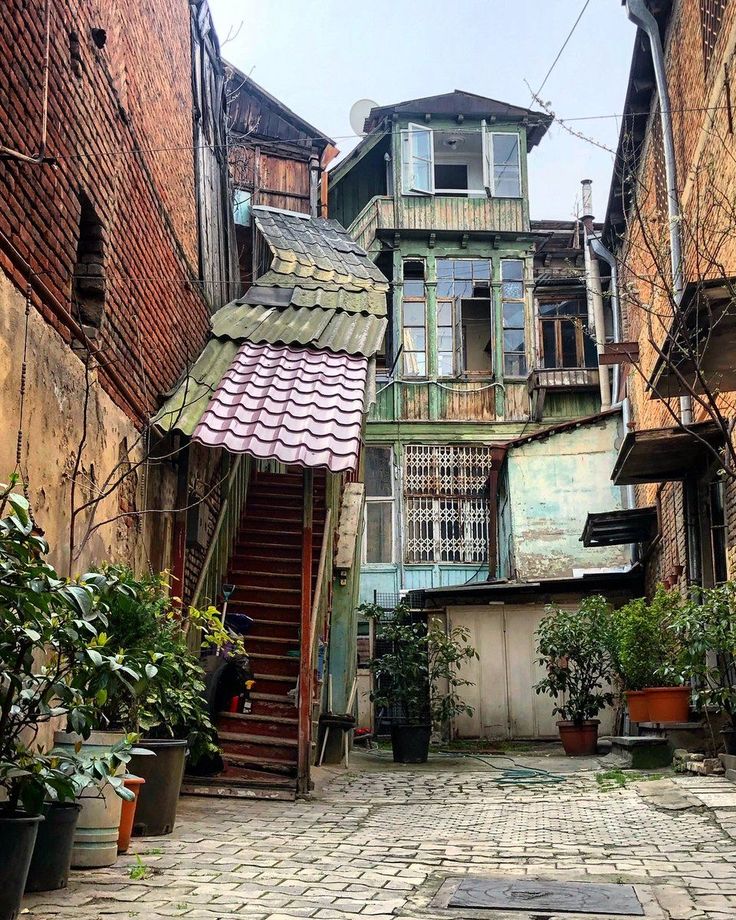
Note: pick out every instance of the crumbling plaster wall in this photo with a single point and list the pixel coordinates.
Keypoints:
(553, 484)
(52, 429)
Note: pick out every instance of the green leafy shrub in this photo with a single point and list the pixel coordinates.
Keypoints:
(575, 649)
(648, 649)
(49, 630)
(420, 675)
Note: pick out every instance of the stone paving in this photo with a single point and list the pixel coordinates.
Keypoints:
(379, 842)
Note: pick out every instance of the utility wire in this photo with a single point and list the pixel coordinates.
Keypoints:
(564, 45)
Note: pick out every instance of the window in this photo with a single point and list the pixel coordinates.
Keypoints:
(501, 164)
(464, 328)
(89, 287)
(563, 338)
(447, 504)
(417, 160)
(717, 528)
(414, 319)
(241, 207)
(378, 543)
(450, 178)
(711, 16)
(512, 306)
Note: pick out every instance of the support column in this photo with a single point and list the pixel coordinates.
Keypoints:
(305, 637)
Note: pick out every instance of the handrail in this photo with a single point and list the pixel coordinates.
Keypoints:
(320, 577)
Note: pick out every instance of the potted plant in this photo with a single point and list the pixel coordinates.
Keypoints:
(667, 696)
(166, 704)
(636, 641)
(705, 628)
(574, 647)
(418, 679)
(47, 627)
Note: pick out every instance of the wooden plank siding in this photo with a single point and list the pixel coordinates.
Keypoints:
(458, 401)
(413, 212)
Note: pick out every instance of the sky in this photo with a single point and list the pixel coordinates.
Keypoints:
(320, 56)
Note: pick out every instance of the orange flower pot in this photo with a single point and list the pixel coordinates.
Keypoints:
(581, 739)
(638, 705)
(127, 816)
(668, 704)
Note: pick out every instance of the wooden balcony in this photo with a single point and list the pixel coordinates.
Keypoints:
(437, 212)
(568, 378)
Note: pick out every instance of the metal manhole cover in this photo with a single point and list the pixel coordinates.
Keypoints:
(503, 893)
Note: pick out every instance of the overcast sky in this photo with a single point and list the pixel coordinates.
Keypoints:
(320, 56)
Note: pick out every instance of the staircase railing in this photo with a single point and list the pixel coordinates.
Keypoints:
(214, 567)
(309, 652)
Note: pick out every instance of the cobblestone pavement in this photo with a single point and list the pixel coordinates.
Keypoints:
(379, 843)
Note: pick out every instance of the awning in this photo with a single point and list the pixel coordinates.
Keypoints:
(295, 405)
(617, 528)
(664, 454)
(702, 340)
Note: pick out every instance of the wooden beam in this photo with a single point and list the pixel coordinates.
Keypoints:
(305, 639)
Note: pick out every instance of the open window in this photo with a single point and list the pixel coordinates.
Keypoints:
(564, 340)
(501, 163)
(414, 319)
(417, 160)
(464, 318)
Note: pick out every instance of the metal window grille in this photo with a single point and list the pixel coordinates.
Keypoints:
(446, 503)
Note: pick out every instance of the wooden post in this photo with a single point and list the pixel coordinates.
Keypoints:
(305, 659)
(178, 553)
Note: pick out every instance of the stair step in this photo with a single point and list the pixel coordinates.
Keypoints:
(266, 764)
(229, 787)
(241, 574)
(276, 665)
(246, 717)
(274, 629)
(261, 747)
(259, 611)
(287, 593)
(274, 683)
(271, 728)
(278, 562)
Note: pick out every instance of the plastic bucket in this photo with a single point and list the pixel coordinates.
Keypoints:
(155, 813)
(52, 855)
(17, 839)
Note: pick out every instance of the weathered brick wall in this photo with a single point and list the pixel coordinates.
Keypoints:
(703, 125)
(120, 131)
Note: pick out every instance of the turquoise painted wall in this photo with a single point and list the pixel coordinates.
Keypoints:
(553, 484)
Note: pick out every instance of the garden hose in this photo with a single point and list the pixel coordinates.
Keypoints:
(514, 775)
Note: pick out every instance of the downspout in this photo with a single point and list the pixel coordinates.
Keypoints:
(640, 15)
(595, 295)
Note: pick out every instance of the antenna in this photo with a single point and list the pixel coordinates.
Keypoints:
(359, 111)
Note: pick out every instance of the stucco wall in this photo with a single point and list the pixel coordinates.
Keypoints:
(52, 429)
(553, 484)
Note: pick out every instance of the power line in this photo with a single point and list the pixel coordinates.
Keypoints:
(564, 45)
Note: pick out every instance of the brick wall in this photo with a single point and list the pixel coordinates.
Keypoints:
(701, 87)
(120, 132)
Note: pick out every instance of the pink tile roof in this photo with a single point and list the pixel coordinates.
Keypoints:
(296, 405)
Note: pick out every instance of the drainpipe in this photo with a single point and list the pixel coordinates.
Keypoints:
(640, 15)
(314, 171)
(595, 294)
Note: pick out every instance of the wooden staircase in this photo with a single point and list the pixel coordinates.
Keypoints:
(260, 747)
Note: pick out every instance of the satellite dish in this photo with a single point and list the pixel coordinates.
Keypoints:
(359, 111)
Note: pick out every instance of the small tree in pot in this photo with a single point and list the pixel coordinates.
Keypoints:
(574, 647)
(705, 630)
(418, 678)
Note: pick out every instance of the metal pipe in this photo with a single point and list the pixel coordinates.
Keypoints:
(640, 15)
(601, 252)
(595, 294)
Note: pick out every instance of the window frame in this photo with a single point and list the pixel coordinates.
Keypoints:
(489, 162)
(508, 328)
(381, 500)
(414, 299)
(455, 302)
(558, 322)
(409, 156)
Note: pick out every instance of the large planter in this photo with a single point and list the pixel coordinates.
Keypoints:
(729, 739)
(17, 838)
(579, 738)
(52, 854)
(638, 705)
(668, 704)
(96, 835)
(127, 814)
(155, 813)
(410, 743)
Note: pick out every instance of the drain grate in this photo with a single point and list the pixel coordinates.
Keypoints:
(504, 893)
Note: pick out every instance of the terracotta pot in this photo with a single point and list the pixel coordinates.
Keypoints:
(579, 738)
(668, 704)
(127, 814)
(638, 705)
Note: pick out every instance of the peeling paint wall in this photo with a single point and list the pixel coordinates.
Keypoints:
(553, 484)
(52, 429)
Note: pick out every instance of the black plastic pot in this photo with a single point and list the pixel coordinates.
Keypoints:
(410, 743)
(155, 814)
(17, 837)
(52, 854)
(729, 739)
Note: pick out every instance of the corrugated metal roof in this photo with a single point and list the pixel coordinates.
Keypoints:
(334, 297)
(354, 334)
(315, 248)
(184, 408)
(296, 405)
